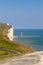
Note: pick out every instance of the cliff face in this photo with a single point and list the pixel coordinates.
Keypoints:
(6, 31)
(10, 34)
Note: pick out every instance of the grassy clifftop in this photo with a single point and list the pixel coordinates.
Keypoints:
(7, 44)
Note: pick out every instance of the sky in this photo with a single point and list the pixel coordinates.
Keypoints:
(22, 14)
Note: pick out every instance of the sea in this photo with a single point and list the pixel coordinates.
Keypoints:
(30, 37)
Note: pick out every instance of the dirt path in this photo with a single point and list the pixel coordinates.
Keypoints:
(35, 58)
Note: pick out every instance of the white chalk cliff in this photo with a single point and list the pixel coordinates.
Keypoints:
(10, 34)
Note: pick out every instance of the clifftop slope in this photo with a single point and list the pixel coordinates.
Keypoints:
(12, 45)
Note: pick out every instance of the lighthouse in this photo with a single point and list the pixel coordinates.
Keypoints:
(21, 34)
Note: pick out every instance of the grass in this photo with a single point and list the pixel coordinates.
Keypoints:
(5, 43)
(6, 54)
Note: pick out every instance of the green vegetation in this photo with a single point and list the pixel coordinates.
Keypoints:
(6, 43)
(5, 54)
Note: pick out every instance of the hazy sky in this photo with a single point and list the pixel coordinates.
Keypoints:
(22, 13)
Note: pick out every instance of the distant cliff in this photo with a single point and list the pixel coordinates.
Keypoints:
(10, 34)
(7, 31)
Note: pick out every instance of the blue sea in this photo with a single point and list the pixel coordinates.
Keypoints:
(34, 37)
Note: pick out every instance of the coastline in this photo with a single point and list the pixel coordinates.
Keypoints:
(32, 56)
